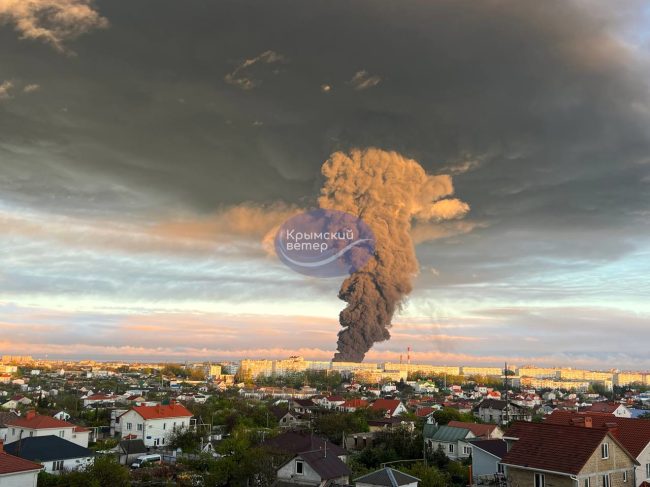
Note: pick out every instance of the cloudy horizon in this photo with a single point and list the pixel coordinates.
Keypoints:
(148, 150)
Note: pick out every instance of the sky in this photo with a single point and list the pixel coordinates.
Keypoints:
(148, 149)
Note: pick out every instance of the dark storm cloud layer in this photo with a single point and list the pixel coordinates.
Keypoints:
(539, 89)
(537, 108)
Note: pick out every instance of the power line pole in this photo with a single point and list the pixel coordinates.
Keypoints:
(505, 384)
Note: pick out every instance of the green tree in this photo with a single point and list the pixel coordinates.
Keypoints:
(429, 476)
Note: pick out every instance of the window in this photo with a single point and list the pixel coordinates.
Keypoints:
(587, 483)
(139, 426)
(164, 426)
(31, 433)
(647, 470)
(500, 468)
(539, 480)
(604, 449)
(467, 450)
(606, 481)
(625, 476)
(299, 467)
(58, 465)
(62, 433)
(129, 426)
(451, 448)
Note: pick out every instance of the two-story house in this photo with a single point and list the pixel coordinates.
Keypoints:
(501, 412)
(153, 424)
(544, 455)
(314, 468)
(634, 434)
(33, 424)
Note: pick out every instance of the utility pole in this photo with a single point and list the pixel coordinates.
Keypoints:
(505, 383)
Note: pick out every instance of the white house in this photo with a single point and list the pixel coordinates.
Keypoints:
(486, 459)
(314, 468)
(17, 472)
(54, 453)
(35, 425)
(153, 424)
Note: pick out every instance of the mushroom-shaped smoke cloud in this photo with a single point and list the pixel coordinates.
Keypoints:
(388, 192)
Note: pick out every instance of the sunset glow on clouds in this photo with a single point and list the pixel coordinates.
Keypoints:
(141, 181)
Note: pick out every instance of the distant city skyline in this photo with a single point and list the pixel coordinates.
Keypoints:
(149, 149)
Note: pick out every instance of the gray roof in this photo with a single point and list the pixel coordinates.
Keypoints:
(388, 477)
(47, 448)
(131, 447)
(327, 465)
(497, 448)
(429, 430)
(450, 433)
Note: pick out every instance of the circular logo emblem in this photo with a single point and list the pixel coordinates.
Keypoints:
(324, 243)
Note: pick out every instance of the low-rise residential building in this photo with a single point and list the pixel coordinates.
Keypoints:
(36, 425)
(390, 407)
(542, 455)
(153, 424)
(314, 468)
(487, 468)
(453, 441)
(634, 434)
(615, 409)
(54, 453)
(501, 412)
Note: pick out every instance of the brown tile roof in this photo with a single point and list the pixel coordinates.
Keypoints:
(294, 443)
(479, 430)
(327, 465)
(13, 464)
(603, 407)
(556, 448)
(634, 434)
(389, 405)
(37, 421)
(162, 411)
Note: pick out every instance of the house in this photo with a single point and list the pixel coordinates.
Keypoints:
(541, 454)
(302, 406)
(3, 427)
(486, 460)
(332, 402)
(153, 424)
(285, 418)
(634, 434)
(479, 430)
(615, 409)
(62, 415)
(34, 425)
(391, 407)
(293, 443)
(100, 399)
(314, 468)
(54, 453)
(351, 405)
(501, 412)
(451, 440)
(387, 477)
(16, 471)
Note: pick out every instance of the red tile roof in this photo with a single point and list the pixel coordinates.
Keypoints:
(552, 447)
(479, 430)
(389, 405)
(634, 434)
(424, 411)
(12, 464)
(38, 421)
(355, 403)
(162, 411)
(603, 407)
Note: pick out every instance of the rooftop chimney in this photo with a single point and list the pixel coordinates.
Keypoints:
(588, 422)
(30, 414)
(611, 427)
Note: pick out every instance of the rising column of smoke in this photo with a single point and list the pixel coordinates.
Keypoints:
(387, 191)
